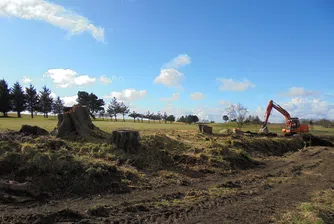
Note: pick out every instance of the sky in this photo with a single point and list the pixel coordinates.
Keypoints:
(174, 56)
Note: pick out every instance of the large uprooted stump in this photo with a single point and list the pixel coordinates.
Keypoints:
(75, 123)
(127, 140)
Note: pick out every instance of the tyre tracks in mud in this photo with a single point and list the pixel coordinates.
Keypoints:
(248, 196)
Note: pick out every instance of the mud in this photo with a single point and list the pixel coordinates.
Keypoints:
(251, 196)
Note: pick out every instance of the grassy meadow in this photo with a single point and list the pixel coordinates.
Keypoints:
(14, 123)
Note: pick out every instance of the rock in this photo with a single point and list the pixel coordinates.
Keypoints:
(33, 130)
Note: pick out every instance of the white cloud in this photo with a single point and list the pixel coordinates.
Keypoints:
(225, 103)
(178, 61)
(26, 80)
(127, 95)
(231, 85)
(69, 100)
(197, 96)
(174, 97)
(105, 80)
(64, 78)
(51, 13)
(53, 95)
(299, 92)
(170, 77)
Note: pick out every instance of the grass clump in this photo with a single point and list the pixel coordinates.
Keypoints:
(319, 211)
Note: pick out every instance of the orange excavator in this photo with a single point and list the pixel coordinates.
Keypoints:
(293, 125)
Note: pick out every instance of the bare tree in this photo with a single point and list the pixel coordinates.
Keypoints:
(237, 112)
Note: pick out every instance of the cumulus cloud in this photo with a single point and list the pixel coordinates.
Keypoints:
(178, 61)
(26, 80)
(197, 96)
(299, 92)
(69, 100)
(105, 80)
(174, 97)
(51, 13)
(225, 103)
(170, 75)
(127, 95)
(64, 78)
(53, 95)
(232, 85)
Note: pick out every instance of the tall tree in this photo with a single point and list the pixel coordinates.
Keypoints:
(148, 116)
(58, 106)
(165, 116)
(134, 115)
(5, 105)
(32, 99)
(93, 103)
(225, 118)
(18, 99)
(113, 108)
(170, 118)
(102, 114)
(83, 98)
(45, 102)
(237, 112)
(123, 109)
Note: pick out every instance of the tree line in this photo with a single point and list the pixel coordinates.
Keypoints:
(19, 99)
(29, 99)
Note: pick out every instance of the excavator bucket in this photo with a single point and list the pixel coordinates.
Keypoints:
(264, 129)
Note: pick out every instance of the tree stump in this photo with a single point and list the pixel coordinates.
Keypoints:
(76, 123)
(127, 140)
(207, 129)
(200, 127)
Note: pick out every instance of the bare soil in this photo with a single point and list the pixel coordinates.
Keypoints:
(256, 195)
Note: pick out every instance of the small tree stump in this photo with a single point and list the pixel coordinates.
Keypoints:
(127, 140)
(200, 127)
(207, 129)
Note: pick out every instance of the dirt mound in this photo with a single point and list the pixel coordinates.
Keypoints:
(33, 130)
(52, 166)
(312, 140)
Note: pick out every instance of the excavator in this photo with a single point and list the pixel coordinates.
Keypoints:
(293, 125)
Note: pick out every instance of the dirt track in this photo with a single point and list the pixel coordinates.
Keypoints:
(250, 196)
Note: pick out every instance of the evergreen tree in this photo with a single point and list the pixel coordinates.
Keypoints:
(18, 99)
(58, 106)
(123, 110)
(113, 108)
(45, 102)
(32, 100)
(5, 105)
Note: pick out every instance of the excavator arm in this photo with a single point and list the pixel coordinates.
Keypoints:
(280, 109)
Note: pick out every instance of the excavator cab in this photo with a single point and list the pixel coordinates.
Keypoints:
(292, 125)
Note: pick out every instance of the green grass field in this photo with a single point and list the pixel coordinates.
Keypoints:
(14, 123)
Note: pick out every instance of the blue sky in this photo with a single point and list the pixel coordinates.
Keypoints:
(176, 56)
